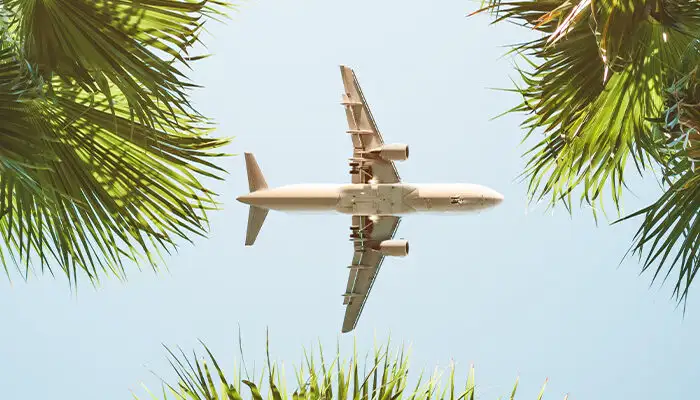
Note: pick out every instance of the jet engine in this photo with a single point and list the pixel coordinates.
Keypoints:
(392, 152)
(396, 248)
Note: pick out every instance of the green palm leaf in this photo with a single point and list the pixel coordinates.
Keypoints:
(195, 381)
(129, 44)
(592, 89)
(595, 90)
(672, 222)
(84, 184)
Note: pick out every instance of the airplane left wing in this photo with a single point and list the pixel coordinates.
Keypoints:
(365, 135)
(365, 263)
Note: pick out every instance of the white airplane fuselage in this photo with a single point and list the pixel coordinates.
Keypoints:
(375, 199)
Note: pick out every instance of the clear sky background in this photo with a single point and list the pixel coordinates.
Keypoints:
(516, 290)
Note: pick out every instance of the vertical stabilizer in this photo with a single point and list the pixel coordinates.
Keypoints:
(256, 215)
(256, 180)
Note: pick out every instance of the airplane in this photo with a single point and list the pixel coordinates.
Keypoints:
(376, 198)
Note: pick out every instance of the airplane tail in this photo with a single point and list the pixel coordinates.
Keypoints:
(256, 215)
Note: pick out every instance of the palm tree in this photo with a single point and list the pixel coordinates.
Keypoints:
(609, 82)
(384, 377)
(101, 153)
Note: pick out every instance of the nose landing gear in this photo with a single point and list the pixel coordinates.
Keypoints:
(457, 200)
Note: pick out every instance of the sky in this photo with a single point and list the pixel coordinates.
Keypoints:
(518, 290)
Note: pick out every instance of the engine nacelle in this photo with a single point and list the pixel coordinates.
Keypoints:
(396, 248)
(392, 152)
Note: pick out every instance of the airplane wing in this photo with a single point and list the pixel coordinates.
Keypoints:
(365, 263)
(365, 135)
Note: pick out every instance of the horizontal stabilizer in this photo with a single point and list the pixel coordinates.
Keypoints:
(256, 215)
(256, 218)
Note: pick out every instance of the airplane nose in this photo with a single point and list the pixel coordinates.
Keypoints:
(493, 197)
(497, 198)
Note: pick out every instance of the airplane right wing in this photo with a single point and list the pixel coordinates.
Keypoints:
(365, 135)
(365, 263)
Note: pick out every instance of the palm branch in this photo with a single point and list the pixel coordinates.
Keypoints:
(383, 377)
(102, 153)
(673, 222)
(132, 45)
(595, 88)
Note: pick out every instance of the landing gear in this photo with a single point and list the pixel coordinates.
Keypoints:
(362, 232)
(358, 166)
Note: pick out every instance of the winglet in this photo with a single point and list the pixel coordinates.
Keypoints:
(256, 180)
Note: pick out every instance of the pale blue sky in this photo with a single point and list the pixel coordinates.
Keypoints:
(514, 291)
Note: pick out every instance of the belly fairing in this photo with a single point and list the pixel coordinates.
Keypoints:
(377, 199)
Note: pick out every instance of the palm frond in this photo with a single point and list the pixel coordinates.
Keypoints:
(672, 223)
(594, 88)
(20, 144)
(133, 45)
(385, 377)
(84, 184)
